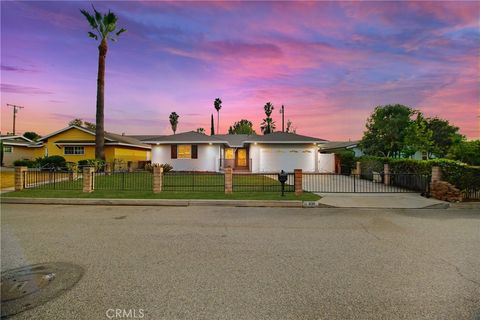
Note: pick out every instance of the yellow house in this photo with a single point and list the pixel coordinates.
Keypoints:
(19, 148)
(78, 143)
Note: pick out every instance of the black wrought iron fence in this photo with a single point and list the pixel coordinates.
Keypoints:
(471, 187)
(193, 181)
(58, 179)
(373, 183)
(261, 182)
(123, 180)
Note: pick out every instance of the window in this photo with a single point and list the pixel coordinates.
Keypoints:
(229, 153)
(7, 149)
(184, 151)
(74, 150)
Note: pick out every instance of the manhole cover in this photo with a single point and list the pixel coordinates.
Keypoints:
(27, 287)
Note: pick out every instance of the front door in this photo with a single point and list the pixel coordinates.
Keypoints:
(241, 157)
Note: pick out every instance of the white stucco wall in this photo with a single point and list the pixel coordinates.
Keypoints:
(276, 157)
(208, 158)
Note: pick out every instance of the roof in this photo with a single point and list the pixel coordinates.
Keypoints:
(184, 137)
(144, 137)
(10, 140)
(339, 145)
(110, 138)
(283, 137)
(232, 140)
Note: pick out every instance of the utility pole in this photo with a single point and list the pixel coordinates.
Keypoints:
(282, 111)
(15, 110)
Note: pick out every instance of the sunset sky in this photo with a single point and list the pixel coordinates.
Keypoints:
(329, 63)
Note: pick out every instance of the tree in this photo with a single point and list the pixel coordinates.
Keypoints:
(31, 135)
(174, 121)
(241, 127)
(386, 129)
(89, 125)
(418, 137)
(212, 127)
(466, 151)
(268, 125)
(104, 27)
(290, 128)
(76, 122)
(444, 136)
(218, 105)
(201, 130)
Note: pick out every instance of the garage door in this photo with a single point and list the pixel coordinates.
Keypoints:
(288, 159)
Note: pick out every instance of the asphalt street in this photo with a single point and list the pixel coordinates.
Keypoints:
(251, 263)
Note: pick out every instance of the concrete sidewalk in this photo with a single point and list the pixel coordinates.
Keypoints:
(380, 200)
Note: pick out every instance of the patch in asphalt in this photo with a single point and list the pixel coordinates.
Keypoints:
(30, 286)
(120, 217)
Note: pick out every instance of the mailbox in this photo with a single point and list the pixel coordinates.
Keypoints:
(282, 178)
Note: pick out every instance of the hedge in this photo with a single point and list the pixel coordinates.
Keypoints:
(455, 172)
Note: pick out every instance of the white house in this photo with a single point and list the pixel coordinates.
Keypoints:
(192, 151)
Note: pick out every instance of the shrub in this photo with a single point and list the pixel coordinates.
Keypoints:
(24, 163)
(454, 172)
(51, 162)
(347, 160)
(166, 167)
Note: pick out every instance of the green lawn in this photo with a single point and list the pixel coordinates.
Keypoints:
(43, 193)
(178, 185)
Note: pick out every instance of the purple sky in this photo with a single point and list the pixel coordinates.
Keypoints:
(329, 63)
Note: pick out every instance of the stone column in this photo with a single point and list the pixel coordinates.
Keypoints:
(130, 166)
(19, 177)
(88, 179)
(386, 171)
(436, 174)
(228, 180)
(157, 179)
(298, 181)
(358, 169)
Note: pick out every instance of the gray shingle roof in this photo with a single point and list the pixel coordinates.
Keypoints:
(184, 137)
(233, 140)
(283, 137)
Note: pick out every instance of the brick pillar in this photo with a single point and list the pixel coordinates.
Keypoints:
(358, 168)
(298, 181)
(386, 171)
(108, 169)
(157, 179)
(88, 179)
(228, 180)
(436, 174)
(19, 177)
(130, 166)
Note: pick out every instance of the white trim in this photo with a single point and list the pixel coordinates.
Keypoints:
(15, 137)
(11, 149)
(74, 154)
(184, 142)
(127, 144)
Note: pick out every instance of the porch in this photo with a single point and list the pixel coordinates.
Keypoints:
(236, 158)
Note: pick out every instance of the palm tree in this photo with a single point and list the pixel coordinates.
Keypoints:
(218, 105)
(104, 27)
(268, 125)
(174, 121)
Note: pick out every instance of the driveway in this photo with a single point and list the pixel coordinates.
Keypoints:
(255, 263)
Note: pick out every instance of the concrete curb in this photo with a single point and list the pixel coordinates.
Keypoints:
(165, 202)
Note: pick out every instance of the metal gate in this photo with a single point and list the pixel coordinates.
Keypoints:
(373, 183)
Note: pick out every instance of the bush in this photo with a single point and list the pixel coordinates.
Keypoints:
(454, 172)
(24, 163)
(347, 161)
(51, 162)
(166, 167)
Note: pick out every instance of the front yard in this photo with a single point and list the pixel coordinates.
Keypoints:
(176, 185)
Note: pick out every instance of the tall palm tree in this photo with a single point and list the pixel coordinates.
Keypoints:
(218, 105)
(268, 125)
(174, 121)
(104, 27)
